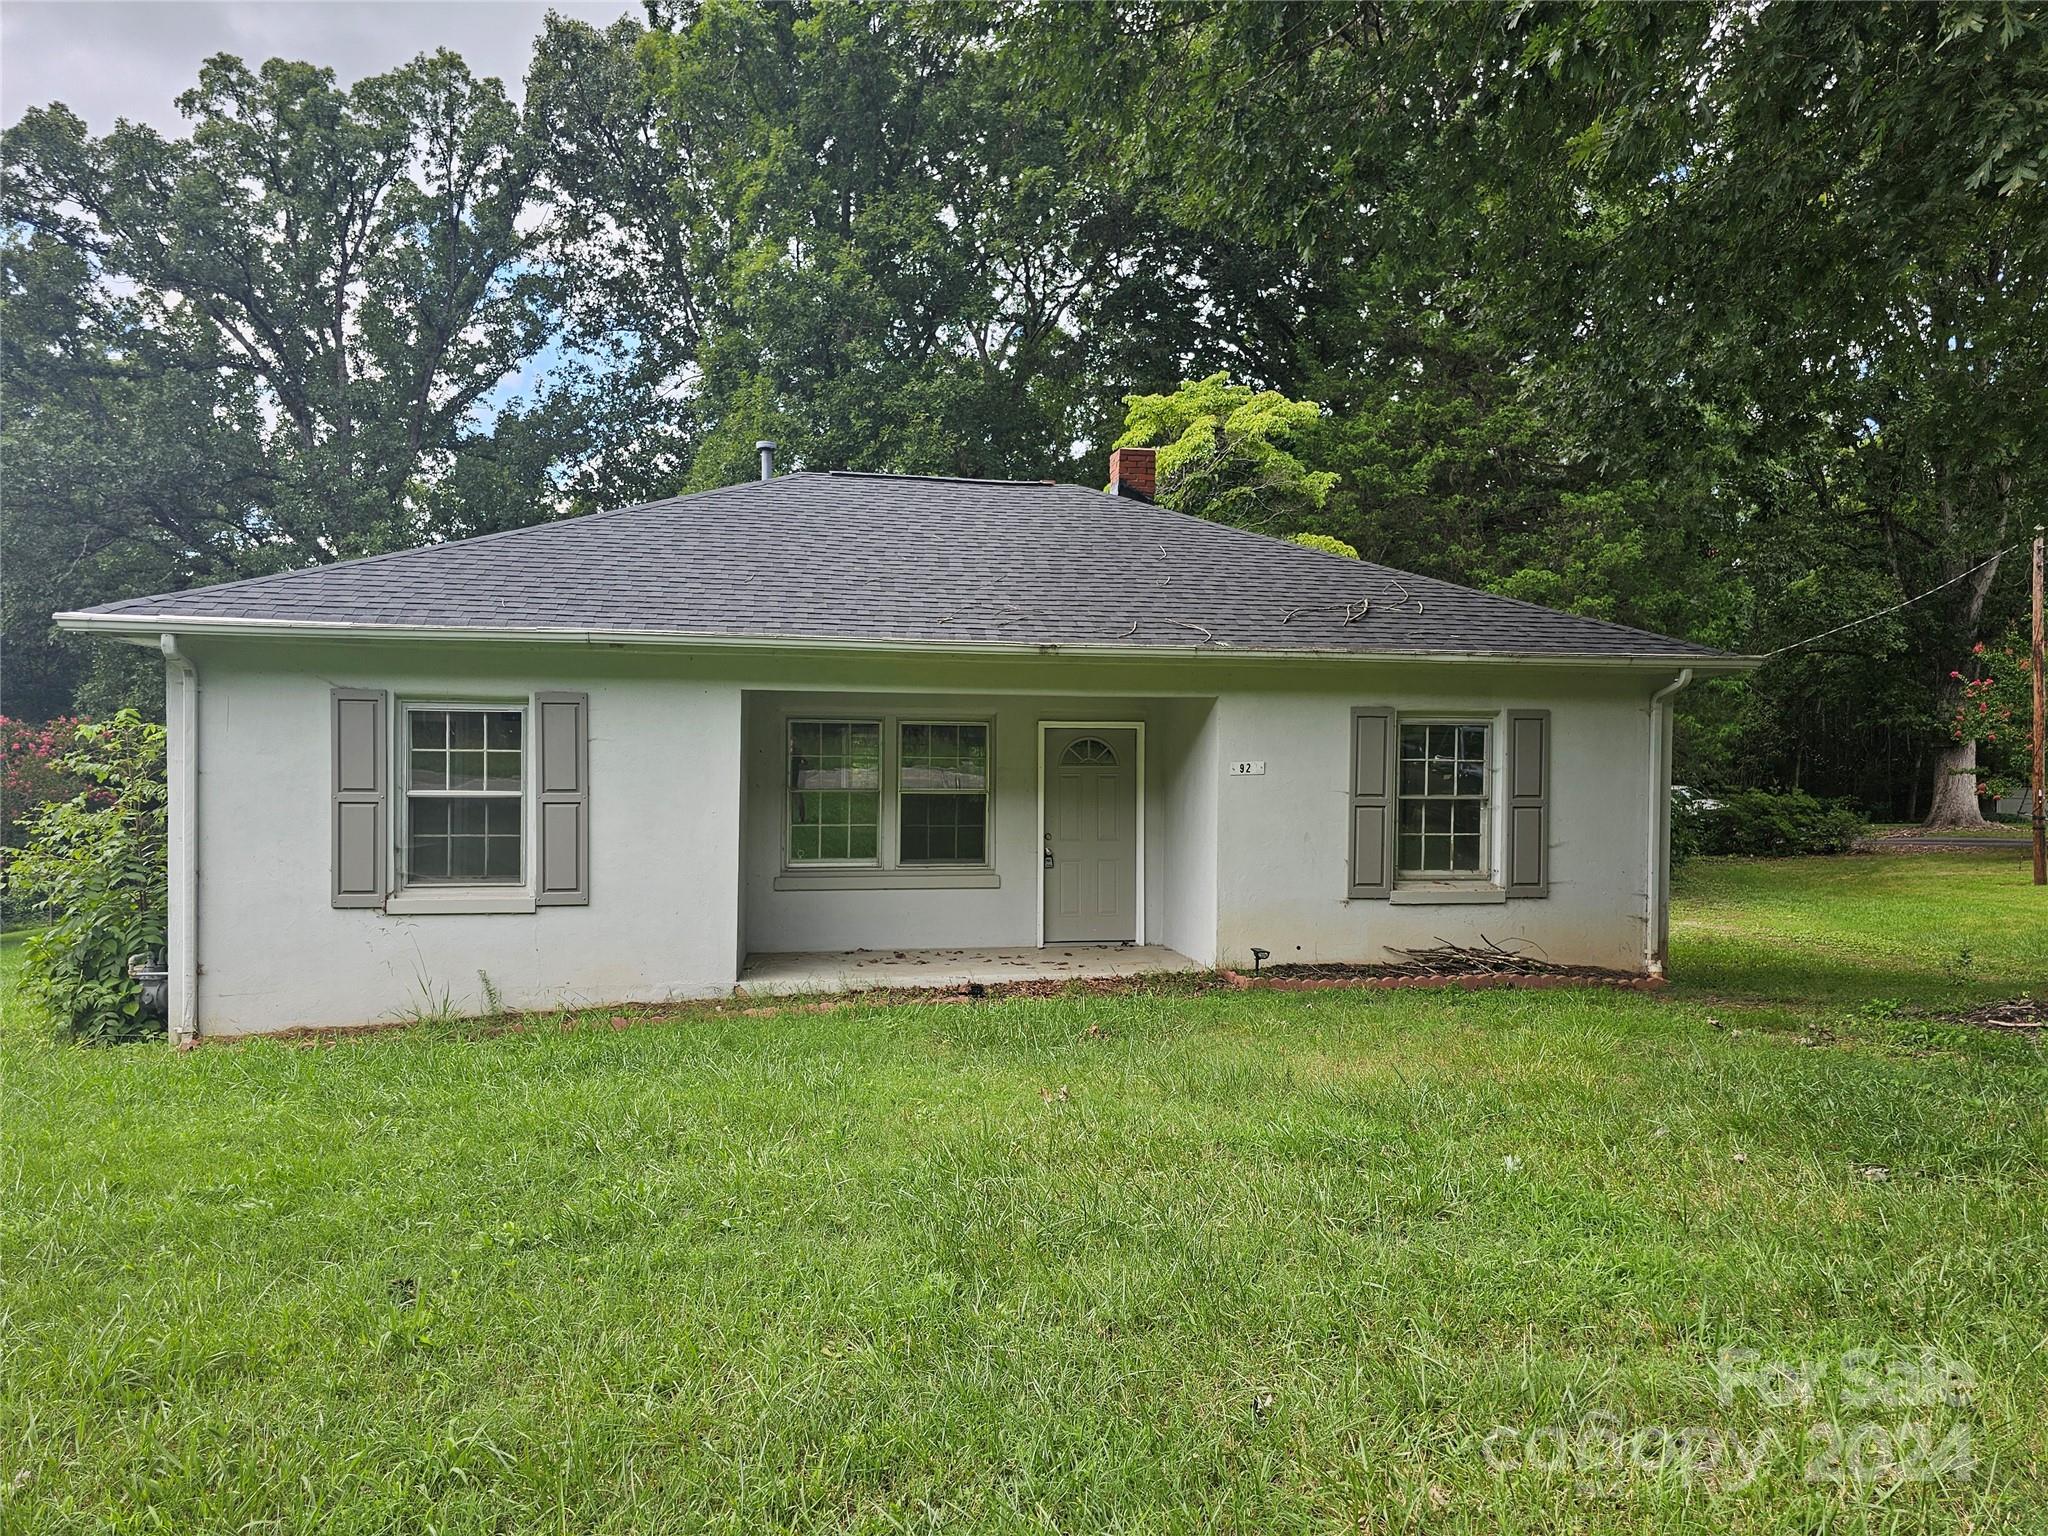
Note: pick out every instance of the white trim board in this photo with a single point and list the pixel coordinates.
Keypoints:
(1038, 846)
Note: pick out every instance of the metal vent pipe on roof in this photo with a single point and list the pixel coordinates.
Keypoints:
(766, 446)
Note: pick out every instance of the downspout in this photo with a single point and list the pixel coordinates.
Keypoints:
(182, 775)
(1658, 899)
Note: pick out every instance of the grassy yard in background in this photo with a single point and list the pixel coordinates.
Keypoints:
(1176, 1260)
(1917, 928)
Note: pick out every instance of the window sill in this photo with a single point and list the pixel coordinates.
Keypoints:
(1446, 893)
(888, 880)
(420, 902)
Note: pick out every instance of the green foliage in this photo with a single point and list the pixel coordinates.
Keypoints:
(1231, 453)
(1716, 319)
(97, 865)
(1325, 543)
(274, 342)
(1762, 823)
(1720, 319)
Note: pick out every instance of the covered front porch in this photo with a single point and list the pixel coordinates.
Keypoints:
(864, 970)
(946, 839)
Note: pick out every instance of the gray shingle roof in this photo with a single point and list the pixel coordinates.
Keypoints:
(846, 558)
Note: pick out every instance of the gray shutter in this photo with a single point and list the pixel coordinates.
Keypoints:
(561, 780)
(1527, 866)
(362, 808)
(1374, 745)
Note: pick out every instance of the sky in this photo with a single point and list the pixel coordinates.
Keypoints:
(109, 59)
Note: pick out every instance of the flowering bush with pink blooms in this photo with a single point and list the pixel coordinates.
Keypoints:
(1995, 709)
(95, 866)
(33, 773)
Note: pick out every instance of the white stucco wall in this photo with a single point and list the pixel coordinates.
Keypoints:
(664, 843)
(685, 849)
(1190, 768)
(1281, 846)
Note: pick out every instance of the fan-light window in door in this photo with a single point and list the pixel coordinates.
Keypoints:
(1088, 752)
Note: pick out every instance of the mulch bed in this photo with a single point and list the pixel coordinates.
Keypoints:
(1468, 967)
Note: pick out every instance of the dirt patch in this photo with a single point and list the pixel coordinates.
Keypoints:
(2020, 1013)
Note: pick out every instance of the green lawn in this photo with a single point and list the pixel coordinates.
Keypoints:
(1918, 928)
(1172, 1261)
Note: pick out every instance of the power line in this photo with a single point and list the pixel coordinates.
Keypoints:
(1895, 607)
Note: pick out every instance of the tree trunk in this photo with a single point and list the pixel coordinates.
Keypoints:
(1954, 803)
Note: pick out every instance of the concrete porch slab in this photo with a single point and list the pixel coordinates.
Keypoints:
(862, 969)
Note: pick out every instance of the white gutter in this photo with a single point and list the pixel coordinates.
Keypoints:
(1657, 934)
(147, 627)
(182, 776)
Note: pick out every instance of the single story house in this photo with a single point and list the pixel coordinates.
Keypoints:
(652, 753)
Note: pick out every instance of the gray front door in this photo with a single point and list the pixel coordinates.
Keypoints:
(1091, 836)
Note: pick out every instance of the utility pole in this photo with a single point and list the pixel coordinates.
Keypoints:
(2040, 727)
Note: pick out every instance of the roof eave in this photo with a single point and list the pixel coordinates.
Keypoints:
(146, 628)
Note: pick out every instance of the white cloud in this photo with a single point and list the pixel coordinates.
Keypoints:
(108, 59)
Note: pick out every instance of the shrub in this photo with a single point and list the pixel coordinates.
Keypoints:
(31, 775)
(98, 863)
(1765, 823)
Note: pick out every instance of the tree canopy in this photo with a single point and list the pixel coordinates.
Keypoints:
(1725, 320)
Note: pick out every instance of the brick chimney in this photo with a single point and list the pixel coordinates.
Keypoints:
(1131, 472)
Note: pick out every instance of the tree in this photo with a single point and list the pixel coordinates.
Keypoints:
(851, 229)
(1227, 452)
(1763, 282)
(276, 342)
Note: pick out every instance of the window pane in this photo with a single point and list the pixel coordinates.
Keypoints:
(466, 729)
(464, 839)
(1414, 741)
(835, 804)
(1471, 778)
(1411, 815)
(835, 755)
(429, 769)
(427, 858)
(1472, 742)
(466, 769)
(1465, 853)
(429, 728)
(1411, 852)
(940, 829)
(1412, 776)
(1436, 816)
(1442, 776)
(501, 731)
(943, 757)
(466, 858)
